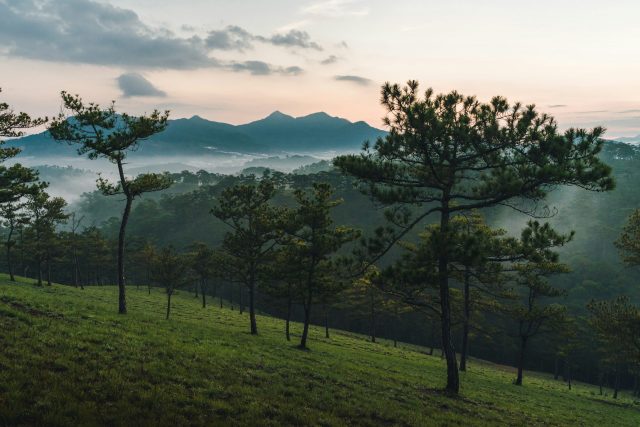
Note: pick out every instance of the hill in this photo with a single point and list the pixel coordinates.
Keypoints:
(68, 359)
(196, 136)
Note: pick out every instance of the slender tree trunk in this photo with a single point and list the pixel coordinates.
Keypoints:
(240, 301)
(523, 346)
(556, 367)
(220, 299)
(568, 368)
(252, 311)
(288, 319)
(9, 263)
(195, 289)
(326, 322)
(372, 321)
(122, 298)
(433, 338)
(616, 383)
(453, 380)
(466, 320)
(600, 381)
(168, 305)
(39, 271)
(204, 297)
(307, 320)
(48, 267)
(231, 296)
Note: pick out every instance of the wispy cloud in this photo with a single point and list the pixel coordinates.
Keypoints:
(337, 8)
(332, 59)
(557, 106)
(134, 84)
(239, 39)
(362, 81)
(628, 111)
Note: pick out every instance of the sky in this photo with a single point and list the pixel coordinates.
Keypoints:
(239, 60)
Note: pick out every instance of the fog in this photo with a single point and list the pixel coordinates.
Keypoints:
(69, 177)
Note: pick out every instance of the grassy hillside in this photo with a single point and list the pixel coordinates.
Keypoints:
(67, 358)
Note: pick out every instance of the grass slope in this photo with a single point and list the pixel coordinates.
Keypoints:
(67, 358)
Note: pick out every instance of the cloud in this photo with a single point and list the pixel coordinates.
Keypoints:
(294, 38)
(337, 8)
(239, 39)
(230, 38)
(260, 68)
(90, 32)
(84, 31)
(354, 79)
(628, 111)
(134, 84)
(332, 59)
(557, 106)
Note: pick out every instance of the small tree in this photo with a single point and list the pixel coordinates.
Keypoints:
(532, 315)
(46, 213)
(451, 153)
(171, 271)
(103, 133)
(255, 225)
(201, 257)
(313, 240)
(617, 325)
(16, 181)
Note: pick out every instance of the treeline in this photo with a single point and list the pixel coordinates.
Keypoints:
(357, 247)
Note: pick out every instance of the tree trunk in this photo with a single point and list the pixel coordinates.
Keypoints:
(616, 383)
(600, 381)
(286, 330)
(307, 319)
(9, 263)
(453, 380)
(122, 299)
(39, 271)
(556, 368)
(168, 305)
(241, 302)
(372, 321)
(326, 322)
(523, 346)
(466, 320)
(252, 310)
(48, 267)
(203, 285)
(568, 369)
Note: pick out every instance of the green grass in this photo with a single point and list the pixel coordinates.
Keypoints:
(67, 358)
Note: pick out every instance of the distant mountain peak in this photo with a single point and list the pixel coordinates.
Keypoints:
(278, 115)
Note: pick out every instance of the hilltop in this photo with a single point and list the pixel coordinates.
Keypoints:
(68, 358)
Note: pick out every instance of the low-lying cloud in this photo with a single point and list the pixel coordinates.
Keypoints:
(362, 81)
(134, 84)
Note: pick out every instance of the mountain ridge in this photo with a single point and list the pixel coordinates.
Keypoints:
(273, 134)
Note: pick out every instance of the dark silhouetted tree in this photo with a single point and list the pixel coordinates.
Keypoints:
(103, 133)
(450, 153)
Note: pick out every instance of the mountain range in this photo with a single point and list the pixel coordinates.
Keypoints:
(276, 133)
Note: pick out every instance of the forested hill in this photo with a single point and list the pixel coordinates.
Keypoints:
(196, 136)
(181, 215)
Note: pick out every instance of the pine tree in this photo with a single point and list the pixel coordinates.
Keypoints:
(103, 133)
(314, 239)
(256, 227)
(450, 153)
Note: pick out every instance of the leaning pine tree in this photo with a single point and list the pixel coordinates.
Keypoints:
(103, 133)
(450, 153)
